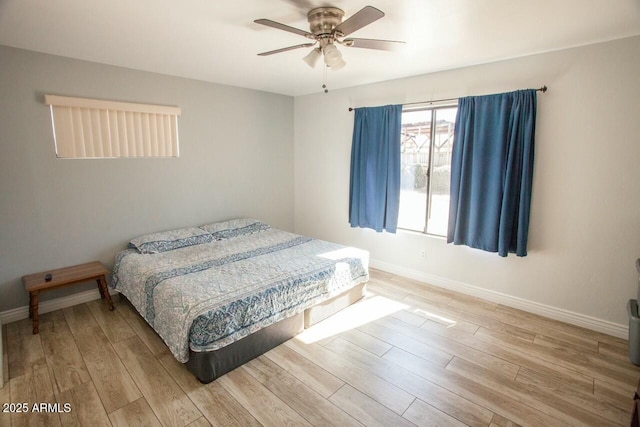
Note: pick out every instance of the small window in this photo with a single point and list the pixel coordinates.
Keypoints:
(91, 128)
(426, 147)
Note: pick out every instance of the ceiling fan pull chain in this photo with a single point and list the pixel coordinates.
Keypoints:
(324, 79)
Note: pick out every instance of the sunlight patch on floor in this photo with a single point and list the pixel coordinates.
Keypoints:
(449, 323)
(360, 313)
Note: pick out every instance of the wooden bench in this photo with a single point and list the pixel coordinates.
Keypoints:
(36, 283)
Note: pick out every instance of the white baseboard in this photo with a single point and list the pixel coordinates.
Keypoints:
(595, 324)
(20, 313)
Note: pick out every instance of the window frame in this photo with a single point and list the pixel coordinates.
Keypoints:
(433, 107)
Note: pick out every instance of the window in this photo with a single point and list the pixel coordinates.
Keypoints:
(92, 128)
(426, 146)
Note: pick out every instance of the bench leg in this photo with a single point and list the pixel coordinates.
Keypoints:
(104, 291)
(100, 288)
(33, 310)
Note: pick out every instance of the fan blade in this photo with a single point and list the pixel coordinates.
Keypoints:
(363, 17)
(284, 49)
(279, 26)
(373, 44)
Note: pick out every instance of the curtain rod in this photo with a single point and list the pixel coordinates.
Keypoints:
(542, 89)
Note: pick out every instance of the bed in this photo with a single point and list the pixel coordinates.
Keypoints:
(221, 294)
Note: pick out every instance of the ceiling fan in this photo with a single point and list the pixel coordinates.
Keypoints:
(326, 28)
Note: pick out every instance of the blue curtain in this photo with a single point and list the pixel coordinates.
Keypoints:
(492, 172)
(374, 191)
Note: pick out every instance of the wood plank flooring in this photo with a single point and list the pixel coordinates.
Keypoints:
(408, 354)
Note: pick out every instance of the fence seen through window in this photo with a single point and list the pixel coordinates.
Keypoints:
(426, 146)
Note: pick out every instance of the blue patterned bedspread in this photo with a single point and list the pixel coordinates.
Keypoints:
(249, 276)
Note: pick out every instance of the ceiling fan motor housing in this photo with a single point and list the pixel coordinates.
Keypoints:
(322, 20)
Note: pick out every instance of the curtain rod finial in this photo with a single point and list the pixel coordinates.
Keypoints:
(544, 88)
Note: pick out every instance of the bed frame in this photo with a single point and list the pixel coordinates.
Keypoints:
(207, 366)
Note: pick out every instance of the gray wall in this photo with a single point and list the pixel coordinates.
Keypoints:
(584, 233)
(236, 159)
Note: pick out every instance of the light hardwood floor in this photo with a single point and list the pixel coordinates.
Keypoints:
(408, 354)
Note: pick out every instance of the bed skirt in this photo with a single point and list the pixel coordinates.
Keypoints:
(321, 311)
(209, 365)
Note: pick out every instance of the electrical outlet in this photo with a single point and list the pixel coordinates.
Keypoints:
(423, 254)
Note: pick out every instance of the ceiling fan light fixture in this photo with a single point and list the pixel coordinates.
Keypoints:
(337, 64)
(332, 56)
(311, 59)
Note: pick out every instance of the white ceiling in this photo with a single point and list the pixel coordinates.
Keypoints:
(217, 41)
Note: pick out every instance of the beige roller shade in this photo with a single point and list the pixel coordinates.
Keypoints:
(93, 128)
